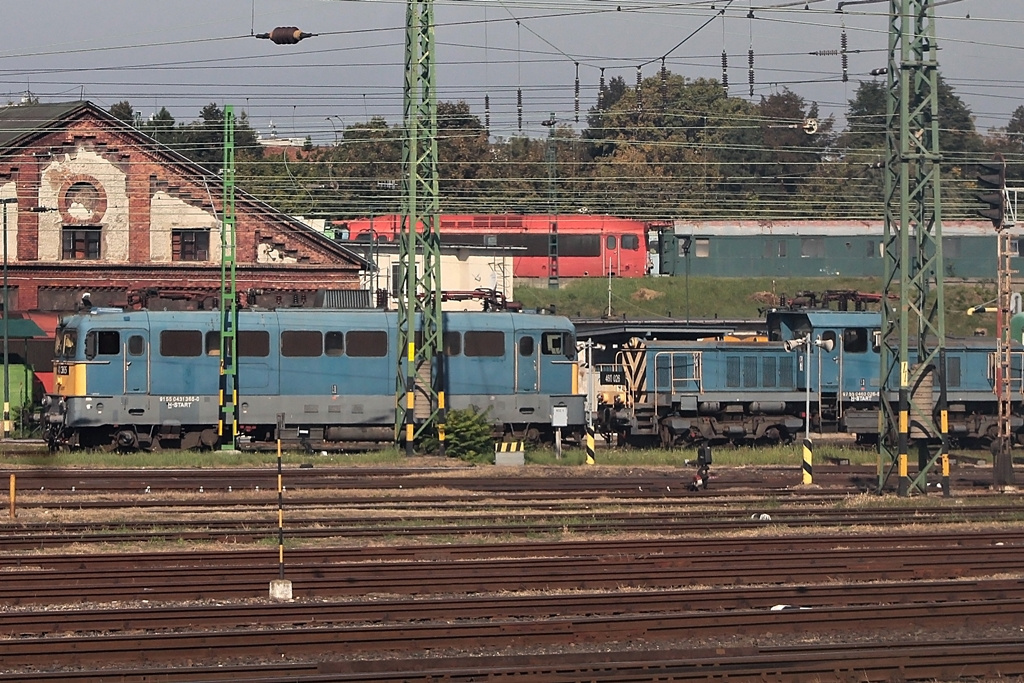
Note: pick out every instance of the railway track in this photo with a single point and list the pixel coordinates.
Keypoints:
(588, 584)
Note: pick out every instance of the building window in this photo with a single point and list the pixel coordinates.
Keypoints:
(190, 245)
(703, 247)
(81, 244)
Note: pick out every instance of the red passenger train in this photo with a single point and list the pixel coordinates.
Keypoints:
(571, 245)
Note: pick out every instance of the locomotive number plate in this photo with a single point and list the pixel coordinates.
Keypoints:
(613, 377)
(63, 370)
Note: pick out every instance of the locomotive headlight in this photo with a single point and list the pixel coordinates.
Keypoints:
(47, 401)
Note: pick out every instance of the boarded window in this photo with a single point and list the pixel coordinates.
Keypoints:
(190, 245)
(334, 343)
(812, 247)
(302, 343)
(484, 344)
(367, 343)
(181, 343)
(80, 244)
(254, 343)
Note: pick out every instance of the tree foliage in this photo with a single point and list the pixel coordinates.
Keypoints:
(677, 148)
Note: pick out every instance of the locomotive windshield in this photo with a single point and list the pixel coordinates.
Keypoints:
(65, 342)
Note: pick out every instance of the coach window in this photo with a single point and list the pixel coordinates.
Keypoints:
(855, 340)
(181, 343)
(302, 343)
(452, 343)
(136, 345)
(609, 242)
(702, 247)
(490, 344)
(253, 343)
(551, 344)
(102, 343)
(526, 346)
(367, 343)
(631, 242)
(334, 343)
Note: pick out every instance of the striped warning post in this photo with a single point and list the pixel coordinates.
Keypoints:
(808, 462)
(590, 445)
(510, 447)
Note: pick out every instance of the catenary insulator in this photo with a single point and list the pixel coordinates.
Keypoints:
(725, 71)
(285, 35)
(519, 106)
(576, 97)
(750, 70)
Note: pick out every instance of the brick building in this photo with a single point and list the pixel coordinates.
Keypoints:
(103, 208)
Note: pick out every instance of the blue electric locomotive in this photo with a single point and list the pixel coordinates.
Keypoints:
(822, 363)
(148, 380)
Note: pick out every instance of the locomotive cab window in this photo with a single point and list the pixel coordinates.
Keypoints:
(609, 242)
(631, 242)
(526, 346)
(253, 343)
(490, 344)
(452, 343)
(367, 343)
(66, 341)
(102, 343)
(136, 345)
(181, 343)
(302, 343)
(552, 344)
(334, 343)
(855, 340)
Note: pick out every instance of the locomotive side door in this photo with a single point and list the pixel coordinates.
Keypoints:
(527, 362)
(136, 362)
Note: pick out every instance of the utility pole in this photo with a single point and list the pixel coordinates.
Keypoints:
(551, 156)
(420, 378)
(913, 319)
(227, 427)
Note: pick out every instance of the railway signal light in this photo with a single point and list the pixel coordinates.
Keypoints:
(992, 181)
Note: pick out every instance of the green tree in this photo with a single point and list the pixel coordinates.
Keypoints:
(123, 110)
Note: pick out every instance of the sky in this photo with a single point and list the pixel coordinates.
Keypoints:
(184, 54)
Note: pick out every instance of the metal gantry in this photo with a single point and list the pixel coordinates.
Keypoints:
(227, 426)
(913, 321)
(419, 387)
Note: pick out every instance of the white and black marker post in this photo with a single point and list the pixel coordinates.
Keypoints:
(280, 588)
